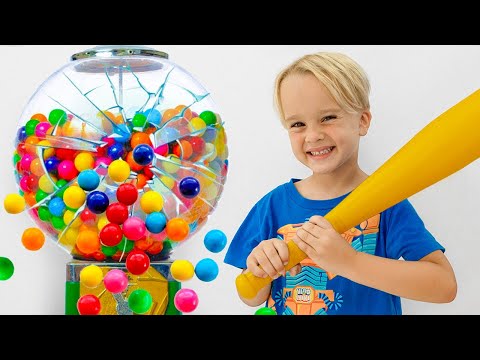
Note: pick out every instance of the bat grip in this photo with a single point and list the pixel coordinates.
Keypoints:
(248, 285)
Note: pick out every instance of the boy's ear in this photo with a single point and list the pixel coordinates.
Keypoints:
(365, 119)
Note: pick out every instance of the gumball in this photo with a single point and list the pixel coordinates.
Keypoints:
(61, 187)
(198, 144)
(87, 216)
(57, 116)
(26, 161)
(21, 134)
(156, 222)
(189, 187)
(97, 202)
(56, 206)
(33, 239)
(117, 213)
(44, 214)
(153, 116)
(162, 150)
(89, 305)
(182, 270)
(206, 270)
(6, 268)
(137, 262)
(184, 111)
(119, 170)
(215, 241)
(208, 117)
(127, 194)
(14, 203)
(41, 129)
(126, 245)
(140, 301)
(134, 228)
(91, 276)
(151, 201)
(265, 311)
(140, 138)
(177, 229)
(197, 126)
(88, 242)
(47, 183)
(84, 161)
(102, 222)
(30, 126)
(115, 151)
(65, 153)
(66, 170)
(88, 180)
(111, 235)
(143, 154)
(74, 197)
(186, 300)
(139, 120)
(51, 164)
(183, 149)
(115, 281)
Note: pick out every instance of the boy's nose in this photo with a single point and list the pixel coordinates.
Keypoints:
(314, 135)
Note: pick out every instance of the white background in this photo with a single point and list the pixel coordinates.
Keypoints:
(411, 85)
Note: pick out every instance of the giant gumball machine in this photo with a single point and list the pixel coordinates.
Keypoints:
(120, 157)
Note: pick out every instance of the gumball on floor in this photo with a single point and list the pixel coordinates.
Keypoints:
(186, 300)
(6, 268)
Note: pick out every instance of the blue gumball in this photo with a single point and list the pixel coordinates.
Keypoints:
(56, 206)
(97, 202)
(206, 270)
(153, 116)
(143, 154)
(51, 164)
(215, 241)
(155, 222)
(189, 187)
(115, 151)
(88, 180)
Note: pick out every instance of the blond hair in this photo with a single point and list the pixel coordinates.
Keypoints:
(344, 78)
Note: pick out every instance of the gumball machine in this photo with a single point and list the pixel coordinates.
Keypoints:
(120, 157)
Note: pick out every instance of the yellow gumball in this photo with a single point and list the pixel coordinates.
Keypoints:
(167, 181)
(48, 151)
(172, 164)
(102, 221)
(151, 201)
(182, 270)
(91, 276)
(84, 161)
(45, 184)
(197, 126)
(211, 151)
(119, 170)
(14, 203)
(68, 217)
(74, 197)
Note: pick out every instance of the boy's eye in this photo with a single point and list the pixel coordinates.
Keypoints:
(297, 124)
(329, 117)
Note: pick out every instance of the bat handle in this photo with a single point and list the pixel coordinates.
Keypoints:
(248, 285)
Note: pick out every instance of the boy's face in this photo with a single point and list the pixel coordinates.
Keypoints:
(323, 137)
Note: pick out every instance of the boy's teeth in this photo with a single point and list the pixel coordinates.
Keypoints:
(323, 152)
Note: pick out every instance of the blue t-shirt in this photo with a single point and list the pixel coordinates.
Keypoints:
(397, 232)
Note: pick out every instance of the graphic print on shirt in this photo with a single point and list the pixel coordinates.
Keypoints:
(308, 292)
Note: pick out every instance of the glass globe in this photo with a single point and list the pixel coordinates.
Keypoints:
(120, 150)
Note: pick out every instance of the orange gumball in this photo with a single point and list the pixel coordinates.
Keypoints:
(39, 117)
(168, 115)
(30, 143)
(177, 229)
(184, 111)
(33, 239)
(183, 150)
(88, 242)
(30, 198)
(140, 138)
(140, 181)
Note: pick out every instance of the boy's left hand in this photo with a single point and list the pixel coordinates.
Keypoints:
(324, 245)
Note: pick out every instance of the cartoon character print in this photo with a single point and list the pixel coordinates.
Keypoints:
(307, 293)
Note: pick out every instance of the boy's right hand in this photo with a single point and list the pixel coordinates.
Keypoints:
(269, 259)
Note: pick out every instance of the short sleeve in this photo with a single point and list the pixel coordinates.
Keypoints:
(247, 237)
(406, 235)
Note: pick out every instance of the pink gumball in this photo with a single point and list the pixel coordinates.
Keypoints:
(162, 150)
(134, 228)
(41, 129)
(67, 170)
(26, 161)
(186, 300)
(102, 160)
(115, 281)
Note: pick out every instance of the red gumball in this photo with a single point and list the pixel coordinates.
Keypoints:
(87, 216)
(127, 194)
(111, 235)
(198, 144)
(89, 305)
(65, 153)
(137, 262)
(117, 213)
